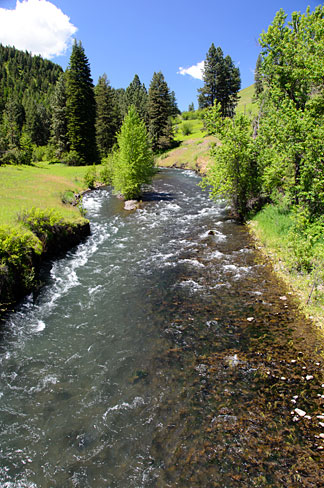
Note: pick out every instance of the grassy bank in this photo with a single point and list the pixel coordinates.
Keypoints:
(36, 222)
(272, 229)
(42, 185)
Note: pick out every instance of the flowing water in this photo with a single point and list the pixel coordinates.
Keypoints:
(161, 352)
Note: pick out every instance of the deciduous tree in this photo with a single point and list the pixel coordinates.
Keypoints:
(133, 160)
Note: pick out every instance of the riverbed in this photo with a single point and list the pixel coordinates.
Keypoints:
(161, 352)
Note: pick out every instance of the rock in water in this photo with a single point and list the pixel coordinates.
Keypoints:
(131, 205)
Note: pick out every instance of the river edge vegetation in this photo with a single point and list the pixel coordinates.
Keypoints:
(265, 155)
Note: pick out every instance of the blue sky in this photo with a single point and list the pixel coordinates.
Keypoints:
(124, 37)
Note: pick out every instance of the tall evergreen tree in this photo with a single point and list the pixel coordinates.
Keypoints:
(59, 118)
(136, 94)
(107, 119)
(81, 106)
(258, 87)
(174, 106)
(221, 82)
(160, 110)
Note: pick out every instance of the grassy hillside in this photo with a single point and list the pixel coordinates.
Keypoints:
(246, 104)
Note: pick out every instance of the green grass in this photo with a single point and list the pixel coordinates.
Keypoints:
(246, 105)
(196, 129)
(41, 185)
(270, 228)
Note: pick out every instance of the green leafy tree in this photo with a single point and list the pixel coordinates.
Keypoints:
(191, 107)
(291, 123)
(233, 173)
(81, 106)
(106, 119)
(136, 94)
(133, 160)
(221, 82)
(59, 117)
(160, 111)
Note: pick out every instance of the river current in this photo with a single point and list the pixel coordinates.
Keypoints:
(161, 352)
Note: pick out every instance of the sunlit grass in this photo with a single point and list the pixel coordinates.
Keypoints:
(41, 185)
(246, 104)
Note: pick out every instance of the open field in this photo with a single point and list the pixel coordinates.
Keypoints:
(41, 185)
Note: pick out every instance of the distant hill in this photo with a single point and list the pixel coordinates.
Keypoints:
(246, 104)
(26, 86)
(23, 76)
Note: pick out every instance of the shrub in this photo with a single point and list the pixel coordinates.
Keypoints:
(106, 172)
(186, 129)
(68, 197)
(73, 158)
(90, 177)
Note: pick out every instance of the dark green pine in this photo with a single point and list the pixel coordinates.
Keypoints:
(160, 111)
(81, 106)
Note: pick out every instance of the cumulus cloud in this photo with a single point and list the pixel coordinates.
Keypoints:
(36, 26)
(196, 71)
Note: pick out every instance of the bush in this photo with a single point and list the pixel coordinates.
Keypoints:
(186, 129)
(68, 197)
(90, 177)
(18, 250)
(73, 158)
(106, 172)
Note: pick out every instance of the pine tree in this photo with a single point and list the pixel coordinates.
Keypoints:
(221, 82)
(81, 106)
(258, 87)
(133, 161)
(160, 110)
(59, 118)
(136, 94)
(107, 119)
(174, 106)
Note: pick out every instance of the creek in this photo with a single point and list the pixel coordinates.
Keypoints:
(161, 352)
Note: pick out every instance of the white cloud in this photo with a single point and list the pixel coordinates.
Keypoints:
(37, 26)
(196, 71)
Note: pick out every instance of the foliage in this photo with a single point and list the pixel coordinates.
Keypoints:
(133, 160)
(107, 170)
(73, 158)
(160, 110)
(90, 177)
(136, 94)
(106, 119)
(81, 106)
(26, 86)
(59, 118)
(221, 82)
(17, 251)
(15, 243)
(234, 172)
(258, 86)
(186, 129)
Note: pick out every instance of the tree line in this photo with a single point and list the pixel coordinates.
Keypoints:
(63, 116)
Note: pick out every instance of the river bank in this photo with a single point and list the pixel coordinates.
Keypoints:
(37, 223)
(306, 287)
(209, 375)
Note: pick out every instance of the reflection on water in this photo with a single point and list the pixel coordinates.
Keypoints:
(161, 353)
